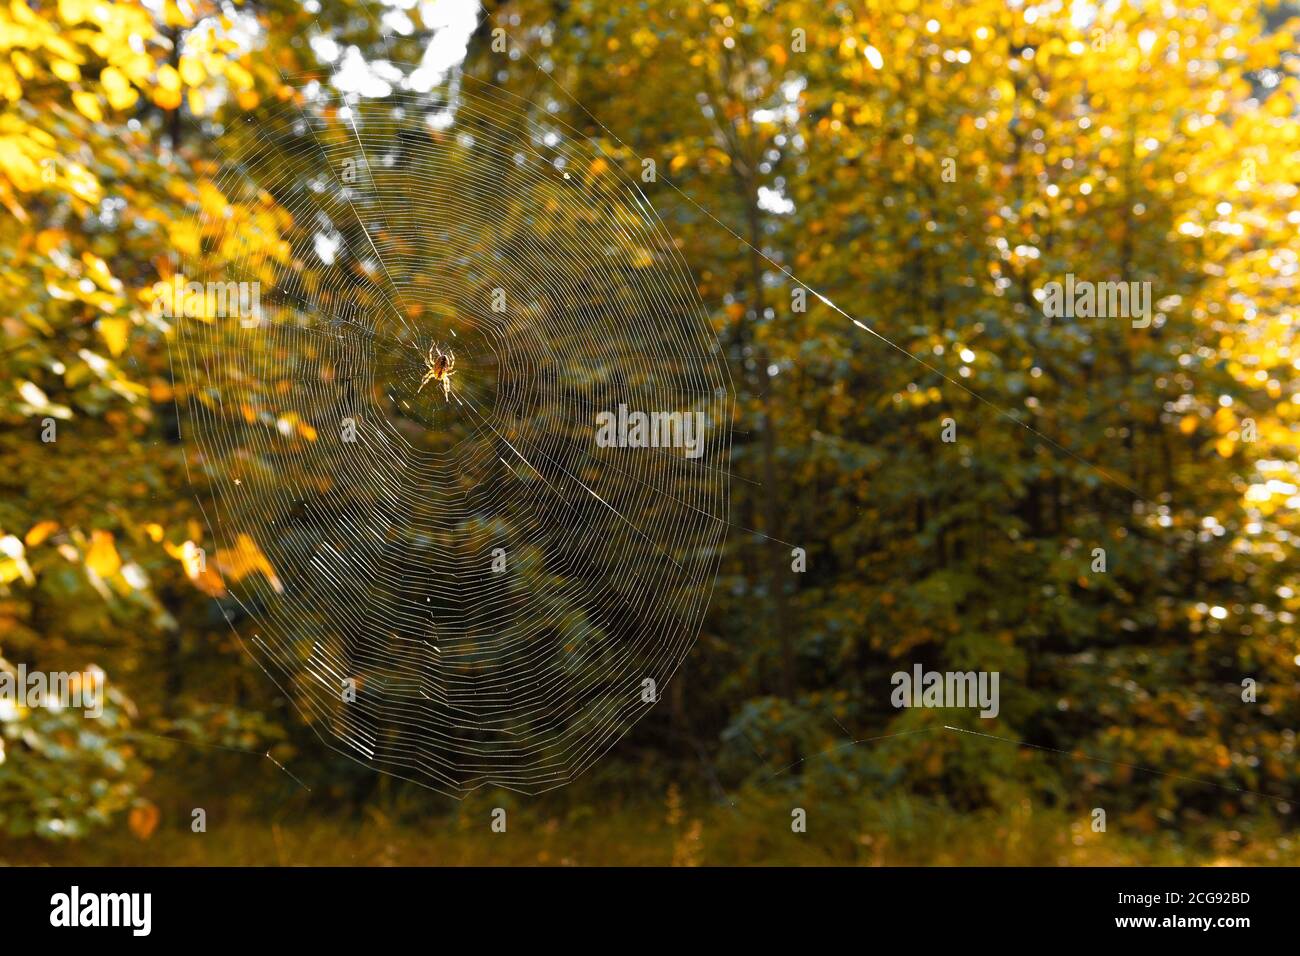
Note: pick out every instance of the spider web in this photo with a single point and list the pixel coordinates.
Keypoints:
(468, 592)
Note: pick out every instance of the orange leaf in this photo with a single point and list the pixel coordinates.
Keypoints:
(39, 532)
(143, 819)
(246, 558)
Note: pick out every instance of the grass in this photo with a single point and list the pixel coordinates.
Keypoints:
(665, 832)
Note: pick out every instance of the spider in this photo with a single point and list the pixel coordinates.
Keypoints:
(438, 367)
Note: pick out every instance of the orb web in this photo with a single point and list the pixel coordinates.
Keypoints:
(471, 589)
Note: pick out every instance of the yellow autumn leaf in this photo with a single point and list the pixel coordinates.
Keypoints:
(168, 78)
(10, 88)
(74, 11)
(124, 99)
(192, 72)
(185, 237)
(173, 16)
(67, 72)
(87, 105)
(98, 270)
(121, 94)
(239, 77)
(23, 64)
(102, 556)
(15, 567)
(114, 332)
(212, 200)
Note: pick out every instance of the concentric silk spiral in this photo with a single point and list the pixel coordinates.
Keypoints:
(473, 589)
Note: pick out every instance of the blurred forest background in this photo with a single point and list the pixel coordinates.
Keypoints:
(928, 166)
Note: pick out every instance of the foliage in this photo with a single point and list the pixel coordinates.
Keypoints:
(74, 773)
